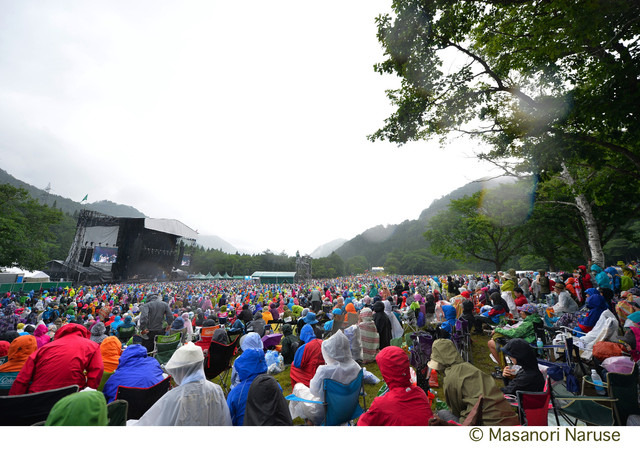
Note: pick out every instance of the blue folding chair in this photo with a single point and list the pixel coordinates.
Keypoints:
(340, 401)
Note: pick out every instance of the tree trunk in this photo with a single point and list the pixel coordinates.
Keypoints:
(593, 236)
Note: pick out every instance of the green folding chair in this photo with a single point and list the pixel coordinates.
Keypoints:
(165, 347)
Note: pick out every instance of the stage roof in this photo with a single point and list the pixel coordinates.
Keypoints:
(173, 227)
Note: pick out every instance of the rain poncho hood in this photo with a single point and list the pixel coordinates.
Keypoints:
(135, 369)
(266, 406)
(98, 332)
(396, 329)
(19, 350)
(402, 404)
(85, 408)
(111, 349)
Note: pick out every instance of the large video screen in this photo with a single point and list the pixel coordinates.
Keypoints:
(104, 255)
(186, 261)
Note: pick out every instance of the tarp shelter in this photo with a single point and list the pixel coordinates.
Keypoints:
(274, 277)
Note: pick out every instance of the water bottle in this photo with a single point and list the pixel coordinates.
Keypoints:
(597, 381)
(539, 344)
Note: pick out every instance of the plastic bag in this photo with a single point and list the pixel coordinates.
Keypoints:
(370, 378)
(275, 362)
(619, 364)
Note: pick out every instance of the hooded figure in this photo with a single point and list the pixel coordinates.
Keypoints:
(597, 305)
(70, 359)
(258, 324)
(196, 400)
(19, 350)
(97, 332)
(529, 377)
(135, 369)
(307, 358)
(449, 325)
(383, 324)
(41, 335)
(339, 366)
(464, 383)
(111, 349)
(86, 408)
(289, 342)
(403, 404)
(248, 366)
(188, 326)
(266, 406)
(396, 328)
(4, 348)
(368, 336)
(602, 278)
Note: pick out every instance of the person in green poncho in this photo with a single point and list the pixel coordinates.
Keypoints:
(464, 383)
(86, 408)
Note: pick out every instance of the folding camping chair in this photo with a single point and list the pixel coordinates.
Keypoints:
(461, 337)
(117, 413)
(141, 399)
(420, 355)
(624, 388)
(165, 347)
(341, 402)
(218, 362)
(533, 407)
(124, 334)
(6, 381)
(206, 333)
(29, 409)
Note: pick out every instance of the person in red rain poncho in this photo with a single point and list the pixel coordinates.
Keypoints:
(62, 362)
(403, 404)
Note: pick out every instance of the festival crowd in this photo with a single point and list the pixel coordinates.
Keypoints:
(326, 329)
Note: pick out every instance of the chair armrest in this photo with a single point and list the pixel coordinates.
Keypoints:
(291, 397)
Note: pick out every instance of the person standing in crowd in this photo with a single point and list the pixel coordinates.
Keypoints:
(152, 315)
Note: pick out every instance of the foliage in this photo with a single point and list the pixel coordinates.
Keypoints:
(551, 79)
(486, 226)
(551, 86)
(26, 235)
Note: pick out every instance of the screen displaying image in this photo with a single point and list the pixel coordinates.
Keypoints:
(104, 255)
(186, 261)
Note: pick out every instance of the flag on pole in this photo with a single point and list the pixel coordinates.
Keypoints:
(85, 198)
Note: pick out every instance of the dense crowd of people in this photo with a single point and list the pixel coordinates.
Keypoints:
(330, 329)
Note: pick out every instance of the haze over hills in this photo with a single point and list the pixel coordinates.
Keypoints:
(375, 243)
(69, 206)
(327, 248)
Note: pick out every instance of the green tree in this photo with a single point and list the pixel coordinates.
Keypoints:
(25, 229)
(479, 228)
(551, 86)
(356, 265)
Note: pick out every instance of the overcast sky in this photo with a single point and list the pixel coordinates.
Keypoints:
(247, 120)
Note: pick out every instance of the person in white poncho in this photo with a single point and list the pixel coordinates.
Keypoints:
(396, 329)
(339, 366)
(196, 401)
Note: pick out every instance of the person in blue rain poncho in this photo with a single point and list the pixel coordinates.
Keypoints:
(248, 366)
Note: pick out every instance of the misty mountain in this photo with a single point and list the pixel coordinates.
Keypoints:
(213, 242)
(66, 204)
(328, 248)
(377, 242)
